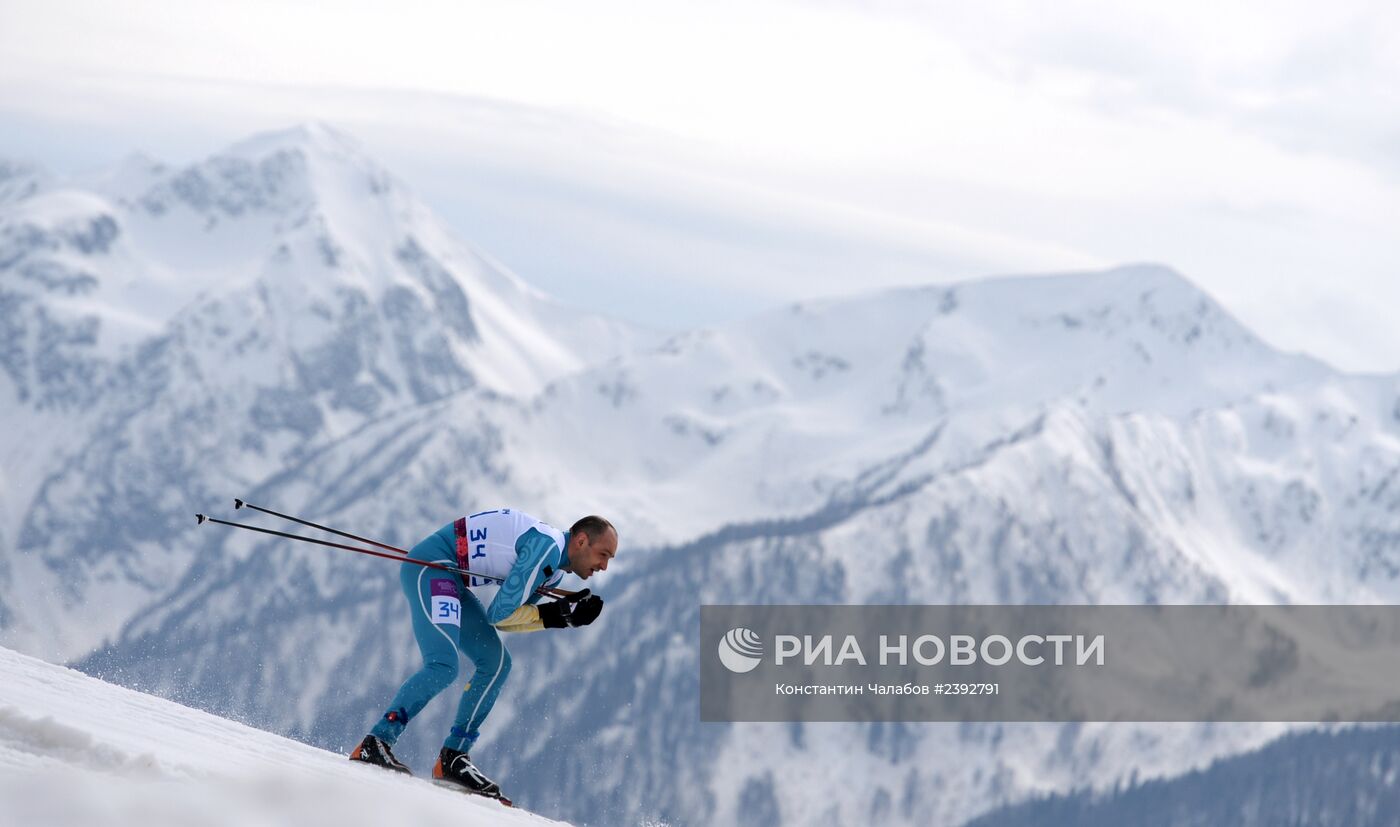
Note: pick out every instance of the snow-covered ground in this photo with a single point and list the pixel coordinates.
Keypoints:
(77, 751)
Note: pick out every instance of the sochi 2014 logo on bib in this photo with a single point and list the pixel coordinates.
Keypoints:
(447, 604)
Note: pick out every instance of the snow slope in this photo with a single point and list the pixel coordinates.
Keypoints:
(75, 750)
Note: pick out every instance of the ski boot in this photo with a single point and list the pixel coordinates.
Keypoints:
(455, 769)
(375, 751)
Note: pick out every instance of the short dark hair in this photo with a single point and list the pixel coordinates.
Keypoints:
(592, 526)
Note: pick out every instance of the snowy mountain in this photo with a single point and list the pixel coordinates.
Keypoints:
(76, 751)
(19, 180)
(1346, 778)
(172, 332)
(992, 457)
(1094, 437)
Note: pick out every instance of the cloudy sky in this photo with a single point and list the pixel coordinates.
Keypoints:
(685, 164)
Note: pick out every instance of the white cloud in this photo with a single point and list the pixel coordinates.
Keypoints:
(778, 149)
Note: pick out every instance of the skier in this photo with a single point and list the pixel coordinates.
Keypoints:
(452, 614)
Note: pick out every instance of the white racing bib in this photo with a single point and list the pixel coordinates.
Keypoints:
(446, 605)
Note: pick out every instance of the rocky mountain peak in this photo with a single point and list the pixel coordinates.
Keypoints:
(20, 180)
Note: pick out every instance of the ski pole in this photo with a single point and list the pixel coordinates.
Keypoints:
(203, 518)
(241, 503)
(237, 504)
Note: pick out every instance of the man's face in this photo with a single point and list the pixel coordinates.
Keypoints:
(589, 556)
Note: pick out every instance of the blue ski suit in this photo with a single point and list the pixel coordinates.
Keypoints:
(454, 616)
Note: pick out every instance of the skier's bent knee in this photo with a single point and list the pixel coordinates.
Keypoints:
(442, 673)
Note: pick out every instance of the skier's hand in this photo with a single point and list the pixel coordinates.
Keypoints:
(578, 609)
(586, 611)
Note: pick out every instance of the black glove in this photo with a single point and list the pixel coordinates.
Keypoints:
(586, 611)
(575, 610)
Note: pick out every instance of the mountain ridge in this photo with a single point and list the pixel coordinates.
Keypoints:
(1109, 437)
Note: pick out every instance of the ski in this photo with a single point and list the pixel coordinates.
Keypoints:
(373, 752)
(455, 787)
